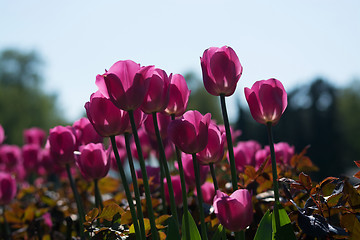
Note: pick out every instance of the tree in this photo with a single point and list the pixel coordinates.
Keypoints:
(23, 104)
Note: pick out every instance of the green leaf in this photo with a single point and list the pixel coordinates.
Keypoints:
(194, 232)
(286, 231)
(218, 234)
(172, 231)
(264, 230)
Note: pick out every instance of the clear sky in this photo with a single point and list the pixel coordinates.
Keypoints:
(293, 41)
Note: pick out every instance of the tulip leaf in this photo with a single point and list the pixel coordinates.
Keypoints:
(264, 230)
(194, 232)
(285, 231)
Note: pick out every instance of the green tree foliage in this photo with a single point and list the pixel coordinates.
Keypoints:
(23, 104)
(201, 100)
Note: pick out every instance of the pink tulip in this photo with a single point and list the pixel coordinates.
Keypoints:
(2, 134)
(163, 123)
(10, 157)
(145, 142)
(214, 150)
(190, 132)
(235, 212)
(31, 157)
(283, 152)
(208, 192)
(152, 173)
(125, 84)
(176, 183)
(179, 96)
(251, 147)
(189, 172)
(267, 100)
(7, 188)
(234, 133)
(85, 132)
(157, 96)
(221, 70)
(261, 156)
(242, 157)
(34, 136)
(46, 162)
(63, 143)
(94, 161)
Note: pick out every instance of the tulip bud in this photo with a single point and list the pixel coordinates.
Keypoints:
(85, 132)
(7, 188)
(267, 100)
(221, 70)
(2, 134)
(63, 143)
(178, 97)
(34, 136)
(176, 183)
(235, 212)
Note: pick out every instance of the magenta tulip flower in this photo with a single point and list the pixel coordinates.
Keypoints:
(242, 157)
(94, 161)
(190, 132)
(163, 123)
(283, 152)
(176, 183)
(34, 136)
(63, 143)
(189, 172)
(221, 70)
(152, 173)
(261, 155)
(10, 157)
(235, 212)
(179, 96)
(157, 96)
(85, 132)
(267, 100)
(208, 192)
(31, 157)
(145, 142)
(2, 134)
(7, 188)
(125, 84)
(214, 150)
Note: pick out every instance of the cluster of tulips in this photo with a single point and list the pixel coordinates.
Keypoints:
(142, 111)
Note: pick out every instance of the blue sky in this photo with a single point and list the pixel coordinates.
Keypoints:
(293, 41)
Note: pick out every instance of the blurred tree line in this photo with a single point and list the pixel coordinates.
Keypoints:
(23, 102)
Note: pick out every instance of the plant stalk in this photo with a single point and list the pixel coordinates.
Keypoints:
(212, 171)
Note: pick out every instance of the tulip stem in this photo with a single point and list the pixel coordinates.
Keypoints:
(183, 189)
(150, 210)
(7, 232)
(79, 205)
(162, 187)
(166, 169)
(199, 196)
(126, 188)
(240, 235)
(135, 185)
(212, 171)
(234, 179)
(275, 176)
(98, 198)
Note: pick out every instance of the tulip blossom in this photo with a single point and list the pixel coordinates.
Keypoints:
(221, 70)
(261, 156)
(208, 192)
(189, 172)
(235, 212)
(163, 123)
(242, 157)
(10, 157)
(283, 152)
(145, 142)
(157, 96)
(94, 161)
(176, 183)
(214, 150)
(63, 143)
(85, 132)
(190, 132)
(2, 134)
(7, 188)
(179, 96)
(34, 136)
(125, 84)
(267, 100)
(31, 157)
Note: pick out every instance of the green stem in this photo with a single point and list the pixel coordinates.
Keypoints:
(7, 232)
(240, 235)
(150, 210)
(275, 176)
(98, 198)
(162, 187)
(79, 205)
(135, 184)
(126, 188)
(166, 170)
(199, 196)
(229, 143)
(212, 171)
(183, 189)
